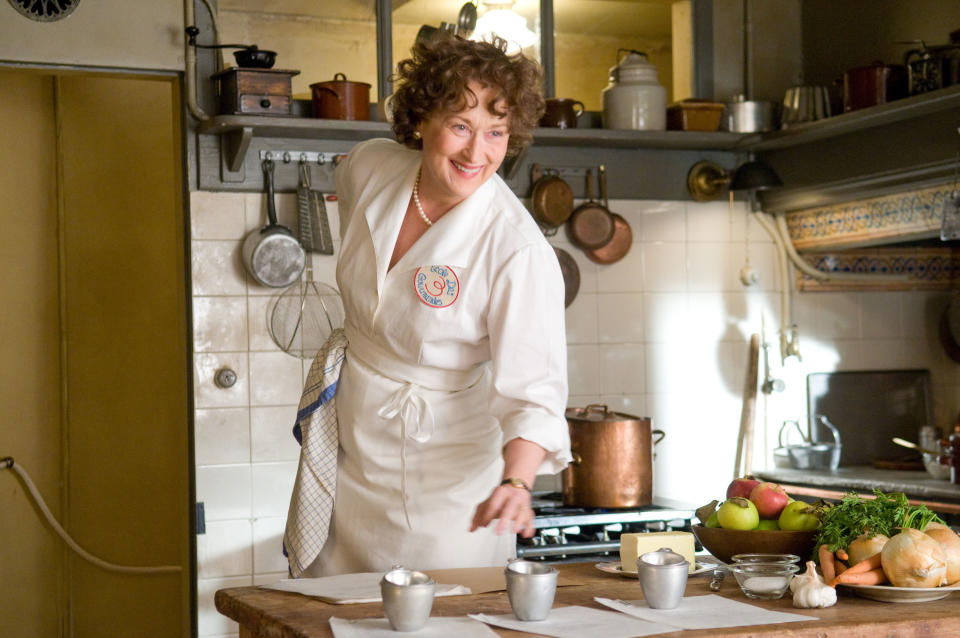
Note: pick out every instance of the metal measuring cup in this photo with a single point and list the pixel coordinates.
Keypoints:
(663, 577)
(530, 588)
(407, 598)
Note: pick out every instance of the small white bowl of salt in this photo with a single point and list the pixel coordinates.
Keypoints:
(764, 581)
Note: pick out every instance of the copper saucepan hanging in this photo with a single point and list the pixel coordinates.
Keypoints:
(551, 198)
(591, 225)
(619, 245)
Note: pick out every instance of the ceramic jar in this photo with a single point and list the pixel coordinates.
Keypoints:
(634, 99)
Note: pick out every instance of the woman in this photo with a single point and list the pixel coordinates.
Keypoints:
(452, 394)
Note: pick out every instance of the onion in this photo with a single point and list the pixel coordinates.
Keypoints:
(950, 543)
(865, 546)
(913, 559)
(934, 525)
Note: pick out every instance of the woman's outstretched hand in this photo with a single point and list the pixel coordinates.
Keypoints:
(511, 505)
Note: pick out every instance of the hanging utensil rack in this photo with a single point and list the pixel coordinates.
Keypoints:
(311, 157)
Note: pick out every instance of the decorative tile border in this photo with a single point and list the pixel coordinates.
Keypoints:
(926, 268)
(879, 220)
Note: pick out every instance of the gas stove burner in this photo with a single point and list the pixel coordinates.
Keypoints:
(568, 534)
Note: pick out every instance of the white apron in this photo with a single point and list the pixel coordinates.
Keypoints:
(434, 382)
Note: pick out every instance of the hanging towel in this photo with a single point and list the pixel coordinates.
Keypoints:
(311, 504)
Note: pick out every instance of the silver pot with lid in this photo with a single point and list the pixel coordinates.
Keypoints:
(749, 116)
(634, 99)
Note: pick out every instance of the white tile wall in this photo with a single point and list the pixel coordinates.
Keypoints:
(662, 333)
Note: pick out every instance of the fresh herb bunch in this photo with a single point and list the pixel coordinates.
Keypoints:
(853, 515)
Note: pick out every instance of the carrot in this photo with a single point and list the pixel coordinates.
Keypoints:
(839, 566)
(842, 554)
(866, 564)
(827, 564)
(869, 577)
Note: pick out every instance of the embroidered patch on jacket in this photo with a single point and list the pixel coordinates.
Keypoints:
(436, 286)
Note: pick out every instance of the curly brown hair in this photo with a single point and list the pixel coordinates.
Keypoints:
(434, 80)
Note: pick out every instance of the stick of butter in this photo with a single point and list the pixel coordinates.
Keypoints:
(632, 546)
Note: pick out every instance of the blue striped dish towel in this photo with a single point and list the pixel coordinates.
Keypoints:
(311, 504)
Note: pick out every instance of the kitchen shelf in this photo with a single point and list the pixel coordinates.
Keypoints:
(670, 140)
(796, 152)
(241, 129)
(913, 107)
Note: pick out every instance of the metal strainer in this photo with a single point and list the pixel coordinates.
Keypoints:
(303, 316)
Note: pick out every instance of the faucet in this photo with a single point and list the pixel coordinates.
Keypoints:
(770, 385)
(788, 345)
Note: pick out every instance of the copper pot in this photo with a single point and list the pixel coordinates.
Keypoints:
(612, 459)
(341, 99)
(875, 84)
(590, 225)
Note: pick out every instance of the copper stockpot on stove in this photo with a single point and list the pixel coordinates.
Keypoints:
(612, 459)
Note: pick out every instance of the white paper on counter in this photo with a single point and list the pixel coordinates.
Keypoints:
(351, 588)
(436, 627)
(577, 622)
(704, 612)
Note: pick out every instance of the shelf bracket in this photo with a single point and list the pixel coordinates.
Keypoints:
(233, 147)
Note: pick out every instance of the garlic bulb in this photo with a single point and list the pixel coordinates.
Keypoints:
(810, 591)
(913, 559)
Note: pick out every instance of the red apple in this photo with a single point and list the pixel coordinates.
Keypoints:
(742, 487)
(770, 499)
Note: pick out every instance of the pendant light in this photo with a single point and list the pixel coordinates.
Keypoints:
(500, 20)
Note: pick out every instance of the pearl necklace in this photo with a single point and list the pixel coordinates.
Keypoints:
(416, 200)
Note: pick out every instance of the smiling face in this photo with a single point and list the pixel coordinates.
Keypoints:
(462, 150)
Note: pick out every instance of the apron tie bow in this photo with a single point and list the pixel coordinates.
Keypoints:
(413, 410)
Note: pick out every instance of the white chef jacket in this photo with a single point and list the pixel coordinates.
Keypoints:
(456, 350)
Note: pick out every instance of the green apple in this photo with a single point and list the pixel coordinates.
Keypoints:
(712, 521)
(738, 513)
(769, 524)
(799, 517)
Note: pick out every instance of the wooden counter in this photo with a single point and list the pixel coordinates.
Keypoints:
(264, 613)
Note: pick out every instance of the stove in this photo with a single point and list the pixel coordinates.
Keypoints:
(578, 534)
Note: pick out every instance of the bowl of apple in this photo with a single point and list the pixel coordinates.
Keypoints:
(760, 518)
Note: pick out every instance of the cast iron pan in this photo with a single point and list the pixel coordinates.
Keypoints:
(571, 275)
(249, 56)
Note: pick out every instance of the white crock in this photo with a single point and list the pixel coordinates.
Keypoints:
(634, 99)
